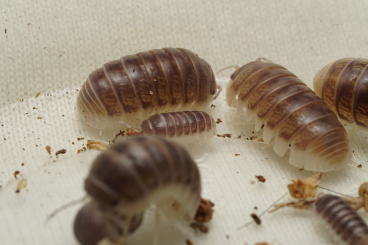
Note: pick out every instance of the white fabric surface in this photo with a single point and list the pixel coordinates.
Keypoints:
(52, 46)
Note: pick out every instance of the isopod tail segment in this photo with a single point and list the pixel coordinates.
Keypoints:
(292, 114)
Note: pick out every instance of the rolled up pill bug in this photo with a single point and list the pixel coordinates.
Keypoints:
(343, 86)
(130, 176)
(289, 110)
(179, 125)
(138, 86)
(342, 220)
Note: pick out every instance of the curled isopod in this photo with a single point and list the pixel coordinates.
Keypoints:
(343, 86)
(179, 125)
(130, 176)
(289, 110)
(138, 86)
(342, 220)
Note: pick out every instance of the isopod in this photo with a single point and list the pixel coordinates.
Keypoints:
(138, 86)
(343, 86)
(127, 178)
(342, 219)
(287, 108)
(181, 125)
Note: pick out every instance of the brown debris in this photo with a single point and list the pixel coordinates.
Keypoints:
(304, 188)
(38, 94)
(359, 166)
(256, 218)
(80, 139)
(204, 211)
(16, 173)
(39, 117)
(121, 133)
(48, 149)
(224, 135)
(96, 145)
(62, 151)
(131, 132)
(21, 185)
(239, 137)
(213, 105)
(253, 138)
(237, 155)
(219, 120)
(188, 242)
(261, 178)
(200, 227)
(261, 243)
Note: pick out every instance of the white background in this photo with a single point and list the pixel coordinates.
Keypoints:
(52, 46)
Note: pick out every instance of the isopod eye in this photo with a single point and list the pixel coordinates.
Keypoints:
(213, 92)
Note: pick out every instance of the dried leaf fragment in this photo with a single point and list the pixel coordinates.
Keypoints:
(204, 211)
(21, 185)
(62, 151)
(237, 155)
(48, 149)
(96, 145)
(38, 94)
(219, 120)
(304, 188)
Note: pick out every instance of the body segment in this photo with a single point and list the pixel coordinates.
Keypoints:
(343, 86)
(138, 86)
(130, 176)
(292, 114)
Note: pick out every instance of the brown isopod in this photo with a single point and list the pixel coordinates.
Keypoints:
(138, 86)
(342, 220)
(179, 125)
(290, 111)
(130, 176)
(343, 86)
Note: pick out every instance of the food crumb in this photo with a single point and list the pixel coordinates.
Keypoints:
(48, 149)
(38, 94)
(359, 166)
(261, 178)
(256, 218)
(62, 151)
(22, 164)
(219, 120)
(16, 173)
(21, 185)
(4, 138)
(237, 154)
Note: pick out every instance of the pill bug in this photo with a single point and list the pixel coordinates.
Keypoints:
(129, 176)
(179, 125)
(138, 86)
(343, 86)
(289, 110)
(341, 219)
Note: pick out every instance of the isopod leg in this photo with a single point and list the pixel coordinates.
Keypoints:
(218, 92)
(228, 67)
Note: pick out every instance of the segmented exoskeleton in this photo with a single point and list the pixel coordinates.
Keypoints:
(342, 220)
(138, 86)
(292, 113)
(130, 176)
(343, 86)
